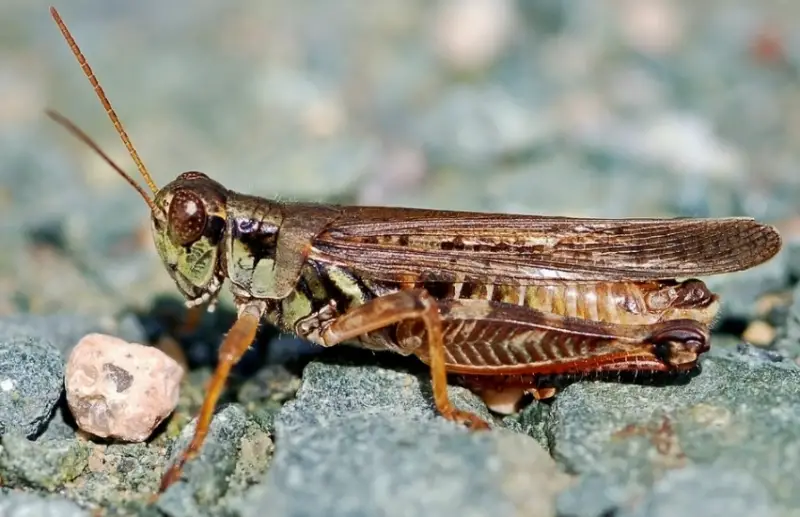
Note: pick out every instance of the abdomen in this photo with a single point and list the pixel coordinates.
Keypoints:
(617, 303)
(623, 303)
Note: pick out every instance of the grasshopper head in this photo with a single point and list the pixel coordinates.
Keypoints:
(188, 215)
(187, 230)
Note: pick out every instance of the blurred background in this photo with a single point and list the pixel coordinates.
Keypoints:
(606, 108)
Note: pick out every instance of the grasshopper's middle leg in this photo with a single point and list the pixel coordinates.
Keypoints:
(394, 308)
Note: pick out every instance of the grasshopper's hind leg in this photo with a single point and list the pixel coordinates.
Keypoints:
(236, 343)
(395, 308)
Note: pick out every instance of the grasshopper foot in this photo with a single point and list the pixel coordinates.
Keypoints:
(469, 420)
(172, 475)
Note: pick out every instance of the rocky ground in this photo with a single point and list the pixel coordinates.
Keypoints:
(568, 107)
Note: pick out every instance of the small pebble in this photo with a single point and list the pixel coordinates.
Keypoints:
(652, 26)
(470, 34)
(120, 390)
(759, 333)
(503, 401)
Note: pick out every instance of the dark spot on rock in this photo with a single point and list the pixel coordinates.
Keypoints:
(126, 465)
(121, 378)
(769, 356)
(84, 405)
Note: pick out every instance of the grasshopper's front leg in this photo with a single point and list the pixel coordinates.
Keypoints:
(194, 315)
(395, 308)
(236, 343)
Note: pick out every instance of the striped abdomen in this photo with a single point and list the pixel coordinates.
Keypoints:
(496, 337)
(625, 303)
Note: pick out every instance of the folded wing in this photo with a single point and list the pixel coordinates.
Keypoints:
(399, 245)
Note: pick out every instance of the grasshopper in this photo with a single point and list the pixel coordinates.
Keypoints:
(499, 299)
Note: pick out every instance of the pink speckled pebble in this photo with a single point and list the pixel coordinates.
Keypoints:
(118, 389)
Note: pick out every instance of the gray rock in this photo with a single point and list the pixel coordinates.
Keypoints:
(531, 421)
(591, 496)
(792, 246)
(31, 382)
(265, 393)
(206, 478)
(352, 386)
(693, 490)
(61, 425)
(256, 450)
(65, 330)
(370, 436)
(119, 476)
(735, 416)
(707, 491)
(44, 464)
(26, 504)
(788, 340)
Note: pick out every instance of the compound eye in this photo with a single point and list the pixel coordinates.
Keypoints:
(187, 218)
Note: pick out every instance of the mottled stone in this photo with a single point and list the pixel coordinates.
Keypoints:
(373, 439)
(119, 476)
(734, 417)
(206, 479)
(44, 464)
(120, 390)
(788, 340)
(26, 504)
(31, 382)
(708, 491)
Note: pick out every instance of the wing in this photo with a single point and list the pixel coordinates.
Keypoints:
(414, 245)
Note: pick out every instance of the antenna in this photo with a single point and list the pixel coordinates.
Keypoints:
(87, 70)
(80, 135)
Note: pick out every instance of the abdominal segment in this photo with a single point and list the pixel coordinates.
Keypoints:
(631, 303)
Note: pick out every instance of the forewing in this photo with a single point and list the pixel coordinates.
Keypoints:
(394, 244)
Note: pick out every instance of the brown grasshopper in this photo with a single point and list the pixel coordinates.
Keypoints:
(500, 299)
